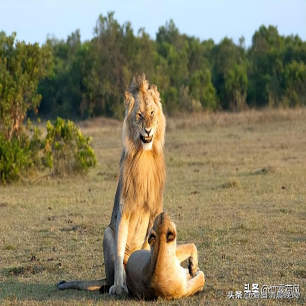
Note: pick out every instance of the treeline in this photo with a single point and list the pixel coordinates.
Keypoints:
(78, 80)
(89, 78)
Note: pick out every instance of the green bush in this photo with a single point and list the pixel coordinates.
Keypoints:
(66, 149)
(15, 158)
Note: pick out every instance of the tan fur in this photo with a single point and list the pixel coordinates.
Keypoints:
(158, 273)
(139, 195)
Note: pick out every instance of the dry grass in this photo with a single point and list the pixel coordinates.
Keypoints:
(236, 187)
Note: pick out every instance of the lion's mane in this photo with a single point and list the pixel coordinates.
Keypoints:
(142, 173)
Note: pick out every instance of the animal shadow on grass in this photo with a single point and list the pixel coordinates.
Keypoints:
(20, 291)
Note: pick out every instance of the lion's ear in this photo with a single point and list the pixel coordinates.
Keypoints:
(129, 100)
(153, 87)
(155, 94)
(128, 97)
(151, 239)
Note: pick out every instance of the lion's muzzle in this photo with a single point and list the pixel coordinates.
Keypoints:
(146, 139)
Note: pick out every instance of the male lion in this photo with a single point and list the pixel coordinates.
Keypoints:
(139, 195)
(158, 273)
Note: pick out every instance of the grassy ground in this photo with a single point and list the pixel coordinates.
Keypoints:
(236, 187)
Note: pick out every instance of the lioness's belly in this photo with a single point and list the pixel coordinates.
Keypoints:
(138, 226)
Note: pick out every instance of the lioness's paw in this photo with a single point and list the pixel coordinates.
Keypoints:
(116, 290)
(193, 269)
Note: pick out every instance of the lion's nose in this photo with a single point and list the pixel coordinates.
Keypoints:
(148, 131)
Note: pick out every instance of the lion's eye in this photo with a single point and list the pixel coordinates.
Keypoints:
(140, 115)
(152, 113)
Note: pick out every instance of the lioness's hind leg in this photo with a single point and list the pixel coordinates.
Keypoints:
(109, 248)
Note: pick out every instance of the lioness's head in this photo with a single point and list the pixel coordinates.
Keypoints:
(144, 123)
(163, 231)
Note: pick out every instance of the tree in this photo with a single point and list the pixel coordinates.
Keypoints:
(21, 67)
(229, 74)
(173, 47)
(236, 87)
(266, 67)
(202, 90)
(62, 92)
(294, 84)
(171, 98)
(109, 74)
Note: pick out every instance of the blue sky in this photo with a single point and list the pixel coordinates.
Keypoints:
(33, 20)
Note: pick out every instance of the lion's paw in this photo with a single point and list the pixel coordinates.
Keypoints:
(115, 289)
(125, 289)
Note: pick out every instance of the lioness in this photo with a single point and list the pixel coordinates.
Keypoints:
(158, 273)
(139, 195)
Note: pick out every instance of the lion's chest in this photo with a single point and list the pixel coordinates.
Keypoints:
(138, 226)
(143, 180)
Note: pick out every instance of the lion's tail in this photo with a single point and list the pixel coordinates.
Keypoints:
(89, 285)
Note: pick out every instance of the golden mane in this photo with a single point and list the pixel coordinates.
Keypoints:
(139, 83)
(143, 176)
(143, 173)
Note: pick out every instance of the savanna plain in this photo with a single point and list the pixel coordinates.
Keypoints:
(236, 187)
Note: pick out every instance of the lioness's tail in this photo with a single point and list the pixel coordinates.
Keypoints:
(89, 285)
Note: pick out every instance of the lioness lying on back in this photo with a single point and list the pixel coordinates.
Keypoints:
(158, 273)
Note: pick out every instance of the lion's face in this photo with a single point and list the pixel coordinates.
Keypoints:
(144, 123)
(145, 120)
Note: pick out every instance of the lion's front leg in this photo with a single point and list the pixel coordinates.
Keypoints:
(197, 280)
(122, 226)
(195, 284)
(188, 251)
